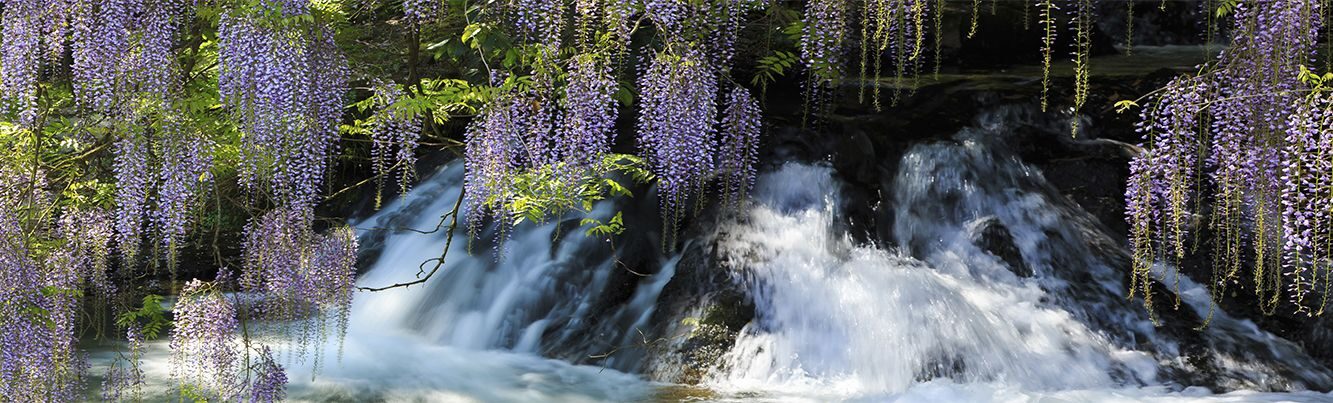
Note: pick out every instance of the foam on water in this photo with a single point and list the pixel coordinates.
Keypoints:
(938, 317)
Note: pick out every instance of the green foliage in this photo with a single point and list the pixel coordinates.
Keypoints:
(614, 226)
(1225, 7)
(1123, 106)
(193, 393)
(150, 317)
(436, 99)
(542, 193)
(769, 68)
(1318, 83)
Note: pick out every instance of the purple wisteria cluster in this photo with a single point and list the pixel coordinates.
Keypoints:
(88, 234)
(1307, 177)
(301, 276)
(422, 11)
(186, 157)
(540, 21)
(1257, 126)
(587, 124)
(394, 132)
(492, 155)
(1170, 131)
(20, 56)
(133, 187)
(125, 377)
(567, 122)
(669, 16)
(209, 359)
(738, 152)
(39, 360)
(204, 354)
(826, 23)
(284, 84)
(122, 51)
(270, 382)
(677, 127)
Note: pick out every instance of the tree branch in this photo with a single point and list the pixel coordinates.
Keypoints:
(439, 261)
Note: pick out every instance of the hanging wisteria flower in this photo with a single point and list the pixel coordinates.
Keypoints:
(1170, 129)
(668, 15)
(422, 11)
(133, 186)
(285, 86)
(270, 381)
(38, 359)
(88, 234)
(186, 159)
(677, 119)
(1266, 158)
(540, 21)
(589, 117)
(204, 355)
(492, 155)
(1306, 200)
(739, 149)
(302, 277)
(150, 66)
(822, 39)
(394, 132)
(20, 52)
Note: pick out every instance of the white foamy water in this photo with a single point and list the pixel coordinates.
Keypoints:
(863, 320)
(942, 319)
(938, 318)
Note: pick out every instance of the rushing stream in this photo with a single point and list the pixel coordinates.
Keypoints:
(947, 315)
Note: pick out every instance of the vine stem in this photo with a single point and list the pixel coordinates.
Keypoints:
(439, 261)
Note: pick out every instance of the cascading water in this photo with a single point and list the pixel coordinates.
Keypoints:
(838, 320)
(996, 288)
(477, 330)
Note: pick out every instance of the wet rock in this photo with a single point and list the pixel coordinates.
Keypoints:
(990, 235)
(701, 312)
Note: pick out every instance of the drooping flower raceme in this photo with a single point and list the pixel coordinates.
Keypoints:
(540, 21)
(822, 39)
(133, 187)
(677, 121)
(204, 354)
(738, 152)
(88, 234)
(284, 85)
(588, 121)
(270, 381)
(394, 132)
(39, 360)
(1250, 121)
(1306, 177)
(101, 38)
(186, 157)
(493, 154)
(20, 52)
(302, 277)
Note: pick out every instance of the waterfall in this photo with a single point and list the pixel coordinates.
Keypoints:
(836, 319)
(480, 328)
(991, 287)
(541, 294)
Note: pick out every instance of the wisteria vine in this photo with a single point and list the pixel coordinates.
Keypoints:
(1247, 135)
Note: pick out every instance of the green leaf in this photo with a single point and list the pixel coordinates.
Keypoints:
(1125, 105)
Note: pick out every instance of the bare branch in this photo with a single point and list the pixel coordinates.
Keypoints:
(439, 261)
